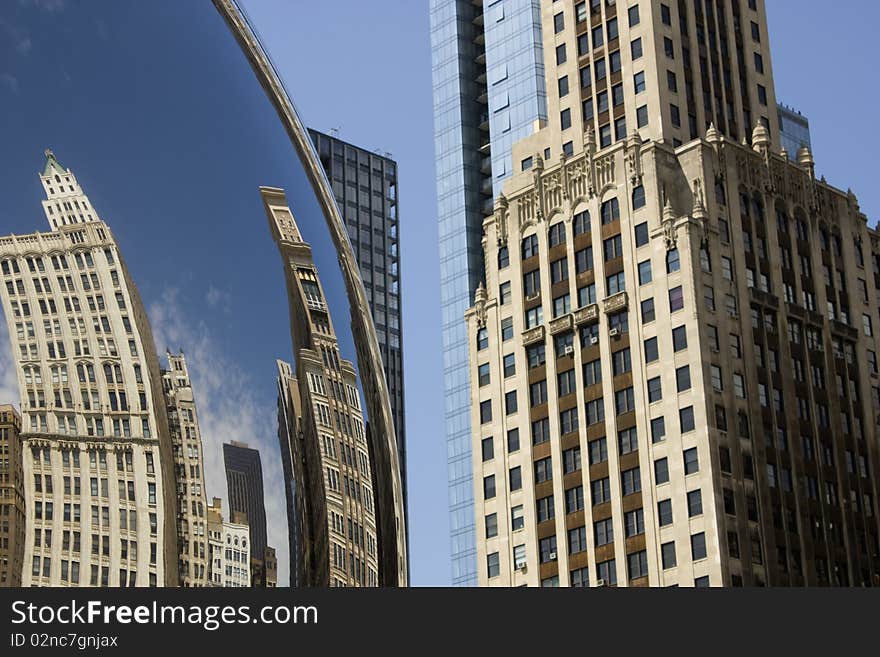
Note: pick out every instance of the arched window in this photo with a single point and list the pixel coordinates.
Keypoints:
(557, 234)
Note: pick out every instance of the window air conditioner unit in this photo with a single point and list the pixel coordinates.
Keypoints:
(569, 350)
(594, 339)
(614, 332)
(523, 568)
(552, 556)
(600, 582)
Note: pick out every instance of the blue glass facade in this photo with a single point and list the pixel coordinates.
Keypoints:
(794, 130)
(488, 91)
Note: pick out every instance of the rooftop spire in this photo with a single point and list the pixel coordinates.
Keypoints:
(52, 163)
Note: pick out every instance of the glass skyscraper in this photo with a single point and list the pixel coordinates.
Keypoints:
(488, 78)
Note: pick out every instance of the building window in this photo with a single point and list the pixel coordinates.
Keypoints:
(482, 339)
(603, 531)
(488, 449)
(565, 118)
(515, 476)
(634, 18)
(635, 48)
(558, 23)
(695, 503)
(489, 487)
(529, 247)
(483, 374)
(691, 461)
(642, 116)
(491, 525)
(655, 389)
(637, 564)
(639, 82)
(664, 512)
(493, 565)
(513, 440)
(698, 546)
(661, 471)
(667, 553)
(645, 272)
(686, 419)
(652, 352)
(631, 481)
(683, 378)
(679, 338)
(676, 299)
(598, 451)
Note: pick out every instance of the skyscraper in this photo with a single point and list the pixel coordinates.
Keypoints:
(12, 504)
(794, 130)
(186, 440)
(93, 412)
(321, 429)
(365, 186)
(244, 485)
(488, 92)
(673, 360)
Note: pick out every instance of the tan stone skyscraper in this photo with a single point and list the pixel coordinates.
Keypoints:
(673, 359)
(99, 487)
(186, 439)
(12, 505)
(321, 428)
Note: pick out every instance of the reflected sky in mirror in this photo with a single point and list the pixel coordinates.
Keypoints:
(157, 113)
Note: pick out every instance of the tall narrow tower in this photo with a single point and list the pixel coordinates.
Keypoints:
(186, 439)
(12, 504)
(326, 440)
(97, 454)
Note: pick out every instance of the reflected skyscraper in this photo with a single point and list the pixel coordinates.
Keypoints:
(365, 186)
(489, 91)
(321, 430)
(244, 485)
(186, 440)
(98, 472)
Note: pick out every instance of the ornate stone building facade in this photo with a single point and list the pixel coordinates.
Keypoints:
(673, 360)
(99, 481)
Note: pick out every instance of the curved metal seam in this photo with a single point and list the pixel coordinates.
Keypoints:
(362, 322)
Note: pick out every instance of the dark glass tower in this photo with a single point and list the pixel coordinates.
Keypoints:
(244, 482)
(365, 186)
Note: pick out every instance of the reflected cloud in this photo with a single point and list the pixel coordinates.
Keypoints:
(227, 410)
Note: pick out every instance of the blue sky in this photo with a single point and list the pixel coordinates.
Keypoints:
(171, 150)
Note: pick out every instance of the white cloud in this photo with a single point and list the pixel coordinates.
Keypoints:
(50, 6)
(10, 81)
(228, 410)
(8, 380)
(217, 298)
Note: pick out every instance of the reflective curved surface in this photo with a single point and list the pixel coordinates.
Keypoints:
(197, 395)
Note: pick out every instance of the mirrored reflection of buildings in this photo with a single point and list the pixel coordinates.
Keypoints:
(321, 430)
(365, 186)
(101, 475)
(12, 504)
(673, 361)
(186, 440)
(99, 480)
(489, 92)
(244, 484)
